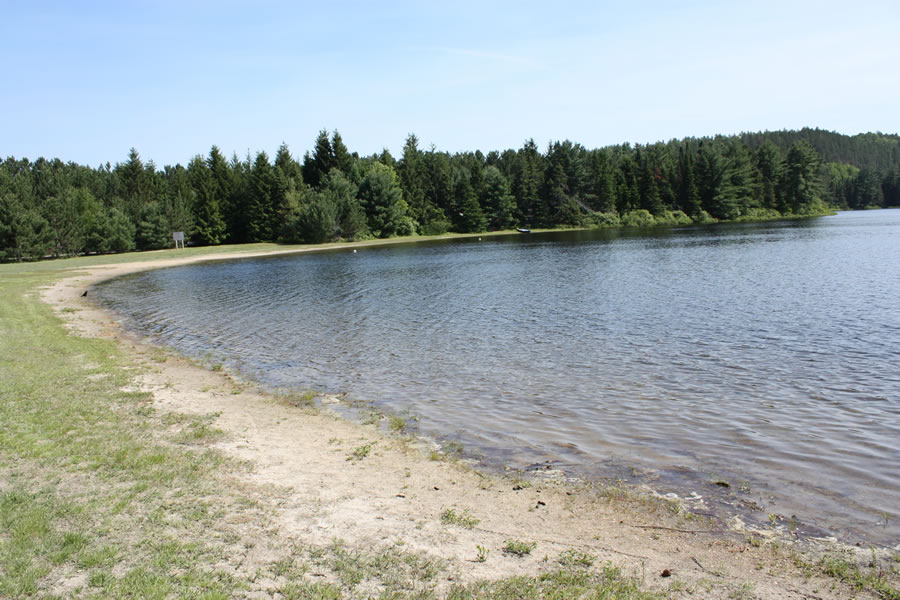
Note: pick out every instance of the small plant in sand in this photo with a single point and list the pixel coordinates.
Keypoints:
(518, 547)
(464, 519)
(361, 452)
(574, 558)
(481, 553)
(398, 424)
(305, 399)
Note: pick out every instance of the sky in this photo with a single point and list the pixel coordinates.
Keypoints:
(87, 81)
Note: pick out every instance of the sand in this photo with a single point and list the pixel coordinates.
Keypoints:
(397, 493)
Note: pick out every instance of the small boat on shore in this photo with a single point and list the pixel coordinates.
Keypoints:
(523, 230)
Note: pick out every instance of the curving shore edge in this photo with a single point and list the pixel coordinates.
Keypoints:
(303, 468)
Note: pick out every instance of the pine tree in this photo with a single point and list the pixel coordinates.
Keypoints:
(382, 198)
(466, 213)
(410, 169)
(688, 196)
(800, 187)
(261, 215)
(497, 199)
(526, 185)
(768, 168)
(317, 165)
(210, 227)
(343, 160)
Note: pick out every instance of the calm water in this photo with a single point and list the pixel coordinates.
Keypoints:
(766, 355)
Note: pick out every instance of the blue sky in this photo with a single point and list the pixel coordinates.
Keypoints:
(86, 81)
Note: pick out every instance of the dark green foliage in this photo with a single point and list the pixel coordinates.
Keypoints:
(769, 169)
(261, 215)
(688, 196)
(382, 198)
(528, 175)
(497, 199)
(801, 190)
(51, 208)
(209, 226)
(317, 220)
(153, 231)
(411, 169)
(465, 212)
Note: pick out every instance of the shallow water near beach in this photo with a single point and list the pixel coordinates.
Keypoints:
(752, 365)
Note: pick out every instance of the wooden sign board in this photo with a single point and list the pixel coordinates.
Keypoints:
(178, 236)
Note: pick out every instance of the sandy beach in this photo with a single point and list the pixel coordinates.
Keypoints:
(322, 478)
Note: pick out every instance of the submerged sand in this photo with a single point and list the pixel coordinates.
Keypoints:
(397, 493)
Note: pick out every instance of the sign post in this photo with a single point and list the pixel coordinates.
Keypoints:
(178, 236)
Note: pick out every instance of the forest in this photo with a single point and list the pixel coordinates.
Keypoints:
(50, 208)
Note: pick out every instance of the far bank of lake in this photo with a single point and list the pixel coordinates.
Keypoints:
(761, 356)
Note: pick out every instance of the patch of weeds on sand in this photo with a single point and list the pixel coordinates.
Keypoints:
(398, 424)
(463, 519)
(518, 547)
(301, 590)
(361, 452)
(608, 583)
(576, 558)
(301, 399)
(196, 429)
(453, 449)
(397, 571)
(874, 574)
(742, 591)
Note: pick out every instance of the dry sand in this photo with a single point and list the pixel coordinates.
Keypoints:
(398, 494)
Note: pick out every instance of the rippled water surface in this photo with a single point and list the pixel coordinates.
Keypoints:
(765, 355)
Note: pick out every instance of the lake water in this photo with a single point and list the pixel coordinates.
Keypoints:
(762, 355)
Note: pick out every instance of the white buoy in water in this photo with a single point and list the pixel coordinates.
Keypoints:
(354, 251)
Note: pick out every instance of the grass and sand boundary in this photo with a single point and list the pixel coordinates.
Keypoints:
(129, 471)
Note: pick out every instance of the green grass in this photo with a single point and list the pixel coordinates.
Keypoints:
(558, 585)
(88, 482)
(518, 547)
(463, 519)
(361, 452)
(878, 575)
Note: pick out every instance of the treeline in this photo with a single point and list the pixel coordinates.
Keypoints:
(51, 208)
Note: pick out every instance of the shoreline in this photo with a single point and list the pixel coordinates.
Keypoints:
(393, 491)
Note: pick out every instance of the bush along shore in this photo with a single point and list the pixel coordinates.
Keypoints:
(129, 471)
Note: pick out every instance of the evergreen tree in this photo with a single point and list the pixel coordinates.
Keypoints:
(768, 167)
(343, 160)
(497, 199)
(526, 185)
(209, 226)
(601, 183)
(648, 190)
(382, 198)
(317, 165)
(223, 188)
(136, 186)
(410, 169)
(261, 214)
(735, 195)
(801, 188)
(350, 215)
(710, 171)
(466, 213)
(688, 196)
(153, 231)
(438, 190)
